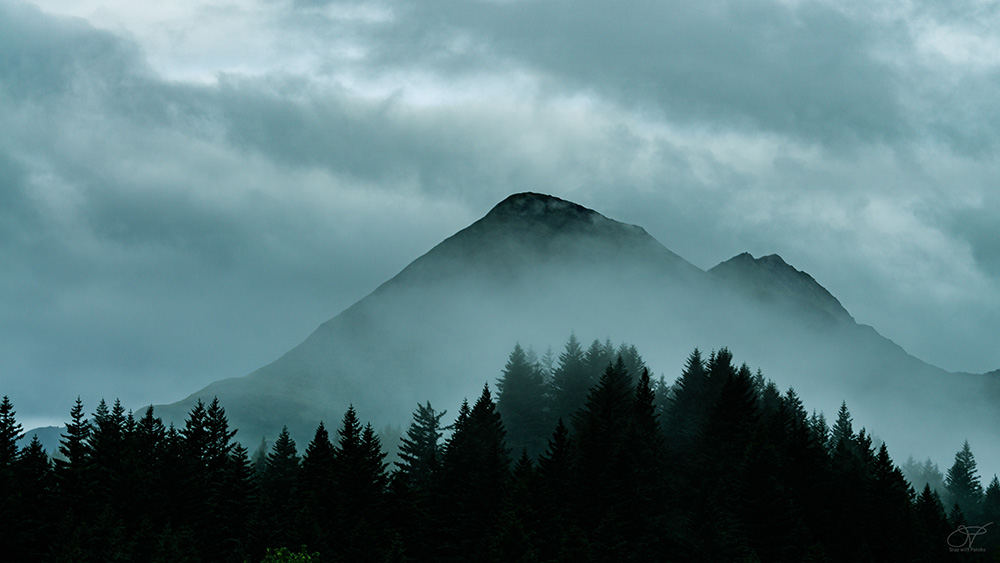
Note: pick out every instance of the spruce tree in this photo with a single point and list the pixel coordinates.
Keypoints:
(962, 483)
(687, 410)
(108, 447)
(316, 491)
(516, 536)
(522, 403)
(10, 433)
(991, 502)
(31, 510)
(890, 510)
(73, 469)
(361, 483)
(228, 500)
(932, 526)
(279, 490)
(842, 431)
(571, 380)
(559, 537)
(601, 473)
(419, 450)
(634, 364)
(474, 472)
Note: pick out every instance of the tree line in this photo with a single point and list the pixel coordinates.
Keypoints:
(584, 457)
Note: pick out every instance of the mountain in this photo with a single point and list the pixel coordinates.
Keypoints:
(536, 269)
(772, 280)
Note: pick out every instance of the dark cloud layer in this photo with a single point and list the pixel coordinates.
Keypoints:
(159, 232)
(806, 71)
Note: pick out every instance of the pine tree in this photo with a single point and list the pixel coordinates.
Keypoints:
(559, 537)
(571, 380)
(515, 537)
(316, 490)
(73, 469)
(597, 357)
(962, 482)
(11, 493)
(932, 526)
(108, 447)
(412, 482)
(474, 472)
(842, 432)
(279, 490)
(30, 511)
(890, 499)
(10, 433)
(419, 450)
(522, 403)
(634, 364)
(601, 471)
(228, 501)
(991, 502)
(361, 483)
(687, 410)
(237, 498)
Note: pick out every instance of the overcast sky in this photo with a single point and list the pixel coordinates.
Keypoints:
(188, 188)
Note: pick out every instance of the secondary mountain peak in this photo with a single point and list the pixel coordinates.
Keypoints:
(770, 278)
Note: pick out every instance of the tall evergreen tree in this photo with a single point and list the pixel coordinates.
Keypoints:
(474, 473)
(227, 467)
(890, 499)
(571, 380)
(522, 403)
(932, 527)
(559, 537)
(73, 468)
(842, 431)
(962, 483)
(10, 433)
(991, 501)
(29, 513)
(317, 491)
(597, 357)
(108, 446)
(279, 491)
(600, 429)
(420, 450)
(361, 480)
(687, 411)
(634, 364)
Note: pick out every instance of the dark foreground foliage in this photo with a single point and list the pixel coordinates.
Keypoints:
(581, 459)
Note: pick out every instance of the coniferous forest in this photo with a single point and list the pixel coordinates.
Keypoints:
(580, 457)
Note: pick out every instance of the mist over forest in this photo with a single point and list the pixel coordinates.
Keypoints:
(537, 268)
(582, 450)
(719, 465)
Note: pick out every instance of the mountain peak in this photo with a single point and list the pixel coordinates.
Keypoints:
(770, 278)
(537, 206)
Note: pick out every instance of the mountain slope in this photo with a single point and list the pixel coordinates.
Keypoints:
(772, 280)
(537, 268)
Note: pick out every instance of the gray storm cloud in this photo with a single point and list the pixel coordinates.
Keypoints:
(174, 211)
